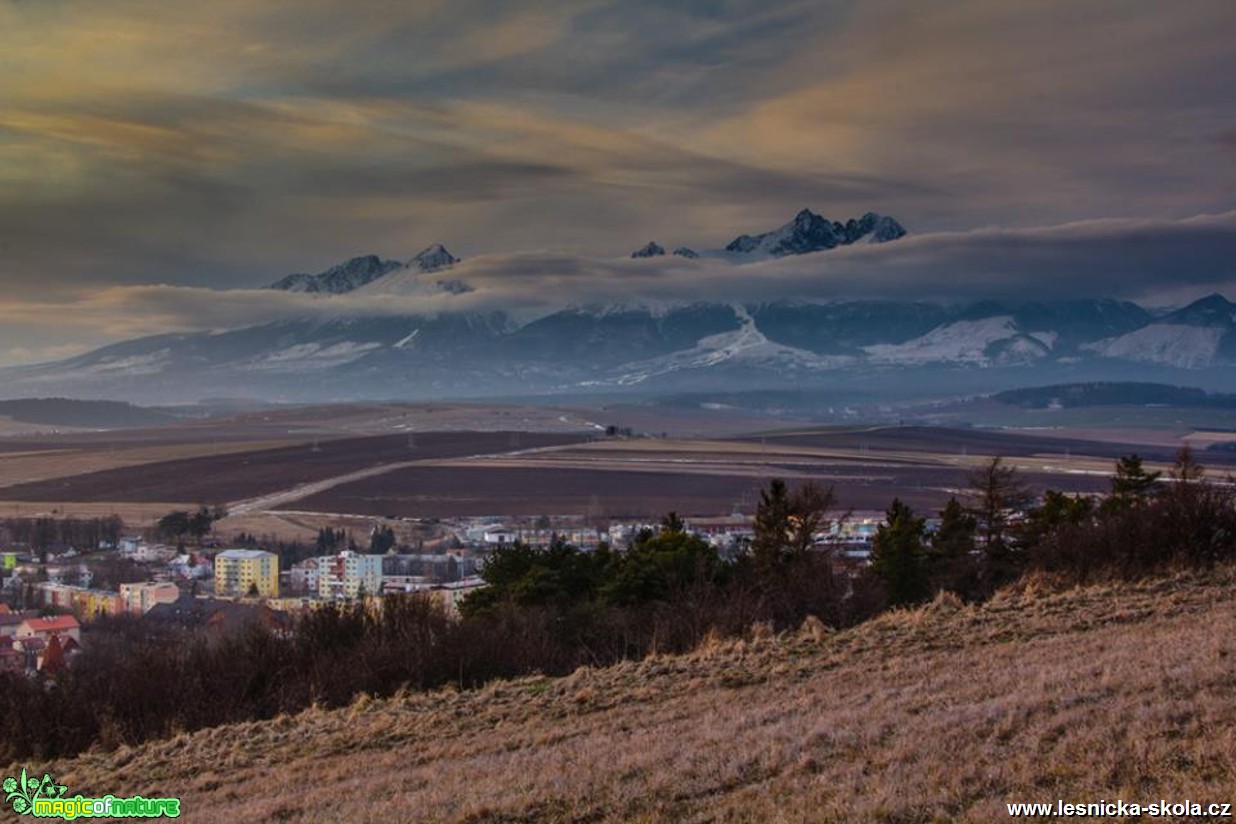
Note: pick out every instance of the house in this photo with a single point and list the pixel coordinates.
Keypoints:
(190, 566)
(214, 615)
(11, 621)
(63, 625)
(498, 536)
(11, 659)
(145, 553)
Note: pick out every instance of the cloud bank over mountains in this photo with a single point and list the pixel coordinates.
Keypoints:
(1150, 261)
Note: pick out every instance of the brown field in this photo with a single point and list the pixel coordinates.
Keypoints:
(306, 460)
(50, 462)
(30, 453)
(945, 713)
(245, 474)
(545, 488)
(445, 491)
(648, 476)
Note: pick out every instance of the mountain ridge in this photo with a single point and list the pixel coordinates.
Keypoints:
(649, 348)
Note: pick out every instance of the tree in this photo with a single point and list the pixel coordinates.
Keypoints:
(174, 526)
(996, 491)
(672, 523)
(950, 558)
(1132, 485)
(1057, 510)
(1198, 518)
(772, 523)
(253, 590)
(381, 540)
(660, 568)
(200, 523)
(898, 555)
(786, 523)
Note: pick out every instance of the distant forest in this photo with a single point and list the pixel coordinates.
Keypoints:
(85, 414)
(1115, 394)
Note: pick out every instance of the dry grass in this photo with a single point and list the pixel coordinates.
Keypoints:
(136, 516)
(939, 714)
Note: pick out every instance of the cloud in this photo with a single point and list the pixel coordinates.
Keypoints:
(225, 144)
(1132, 259)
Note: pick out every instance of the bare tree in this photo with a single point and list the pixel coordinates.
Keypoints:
(996, 493)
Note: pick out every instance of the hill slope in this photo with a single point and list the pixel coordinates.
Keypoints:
(945, 713)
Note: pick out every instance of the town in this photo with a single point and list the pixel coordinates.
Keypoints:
(50, 591)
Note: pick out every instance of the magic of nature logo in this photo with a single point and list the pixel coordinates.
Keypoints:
(44, 798)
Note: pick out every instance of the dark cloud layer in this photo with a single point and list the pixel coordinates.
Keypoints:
(222, 145)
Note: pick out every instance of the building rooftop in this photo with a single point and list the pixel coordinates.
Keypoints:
(56, 623)
(239, 554)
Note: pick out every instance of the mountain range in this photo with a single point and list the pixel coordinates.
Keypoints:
(863, 346)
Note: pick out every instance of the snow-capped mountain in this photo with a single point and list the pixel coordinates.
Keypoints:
(809, 232)
(653, 348)
(344, 277)
(432, 258)
(650, 249)
(745, 346)
(361, 271)
(1200, 335)
(990, 341)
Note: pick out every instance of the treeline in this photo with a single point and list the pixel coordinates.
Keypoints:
(552, 610)
(1149, 522)
(41, 534)
(1125, 393)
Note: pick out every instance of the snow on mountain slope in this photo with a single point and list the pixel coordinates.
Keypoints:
(1171, 344)
(310, 357)
(422, 275)
(980, 342)
(433, 258)
(745, 345)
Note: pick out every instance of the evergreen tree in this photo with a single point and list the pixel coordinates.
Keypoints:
(672, 523)
(951, 556)
(786, 523)
(1057, 510)
(1132, 485)
(899, 555)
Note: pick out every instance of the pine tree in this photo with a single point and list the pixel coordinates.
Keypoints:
(1132, 485)
(951, 556)
(899, 555)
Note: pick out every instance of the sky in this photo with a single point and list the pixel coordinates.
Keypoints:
(160, 161)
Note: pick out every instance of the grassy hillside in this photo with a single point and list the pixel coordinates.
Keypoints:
(939, 714)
